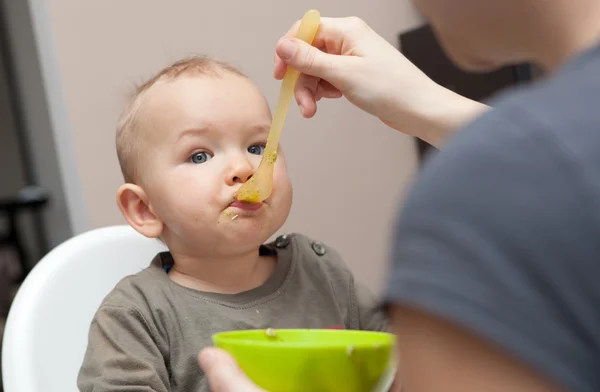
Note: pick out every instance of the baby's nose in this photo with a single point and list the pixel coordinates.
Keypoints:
(241, 179)
(241, 171)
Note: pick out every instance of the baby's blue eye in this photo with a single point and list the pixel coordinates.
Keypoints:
(256, 149)
(201, 157)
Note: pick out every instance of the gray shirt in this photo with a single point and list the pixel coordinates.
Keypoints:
(148, 332)
(501, 232)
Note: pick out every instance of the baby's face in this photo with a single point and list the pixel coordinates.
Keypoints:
(204, 137)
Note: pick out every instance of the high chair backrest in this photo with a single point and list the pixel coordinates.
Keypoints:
(47, 327)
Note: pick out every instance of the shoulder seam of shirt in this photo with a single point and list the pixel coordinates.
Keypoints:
(352, 317)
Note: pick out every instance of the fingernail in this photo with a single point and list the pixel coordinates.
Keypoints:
(301, 109)
(287, 49)
(207, 357)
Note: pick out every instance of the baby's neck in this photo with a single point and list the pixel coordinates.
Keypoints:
(224, 275)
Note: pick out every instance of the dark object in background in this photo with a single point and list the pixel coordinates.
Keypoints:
(421, 47)
(31, 199)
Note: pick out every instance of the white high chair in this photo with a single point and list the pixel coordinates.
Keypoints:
(47, 327)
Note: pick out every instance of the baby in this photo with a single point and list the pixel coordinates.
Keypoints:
(186, 142)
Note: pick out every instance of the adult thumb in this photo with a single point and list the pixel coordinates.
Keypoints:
(223, 373)
(308, 59)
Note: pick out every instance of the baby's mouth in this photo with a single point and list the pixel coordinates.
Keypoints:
(246, 206)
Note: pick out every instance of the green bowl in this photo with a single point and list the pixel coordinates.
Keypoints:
(315, 360)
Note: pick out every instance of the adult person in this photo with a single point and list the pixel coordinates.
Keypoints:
(493, 285)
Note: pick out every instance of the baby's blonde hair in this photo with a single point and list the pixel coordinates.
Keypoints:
(128, 137)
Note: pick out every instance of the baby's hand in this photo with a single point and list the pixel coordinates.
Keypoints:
(223, 373)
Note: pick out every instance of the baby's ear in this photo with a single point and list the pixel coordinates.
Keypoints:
(135, 207)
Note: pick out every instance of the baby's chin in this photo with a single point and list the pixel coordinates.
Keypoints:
(247, 232)
(235, 233)
(223, 245)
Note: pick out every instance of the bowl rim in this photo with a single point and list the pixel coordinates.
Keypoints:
(232, 337)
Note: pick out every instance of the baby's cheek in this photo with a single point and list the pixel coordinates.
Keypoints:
(285, 196)
(280, 175)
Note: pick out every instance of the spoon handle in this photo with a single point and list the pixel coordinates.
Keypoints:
(306, 32)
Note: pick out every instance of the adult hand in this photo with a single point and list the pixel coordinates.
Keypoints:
(349, 59)
(223, 373)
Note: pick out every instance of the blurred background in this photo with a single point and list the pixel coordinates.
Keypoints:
(67, 67)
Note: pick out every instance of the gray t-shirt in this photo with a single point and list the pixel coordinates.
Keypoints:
(501, 232)
(148, 332)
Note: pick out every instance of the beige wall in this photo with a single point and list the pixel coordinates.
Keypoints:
(349, 171)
